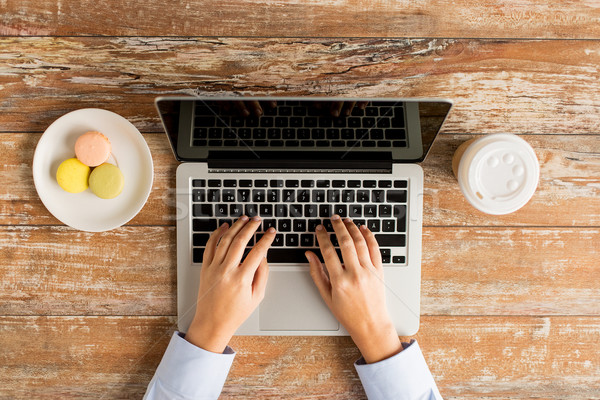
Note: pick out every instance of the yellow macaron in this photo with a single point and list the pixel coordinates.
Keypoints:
(107, 181)
(72, 175)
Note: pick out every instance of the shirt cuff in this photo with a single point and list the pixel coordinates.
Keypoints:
(190, 372)
(402, 376)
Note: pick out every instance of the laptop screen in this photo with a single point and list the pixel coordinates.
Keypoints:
(315, 129)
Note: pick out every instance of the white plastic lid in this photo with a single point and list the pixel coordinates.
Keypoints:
(498, 173)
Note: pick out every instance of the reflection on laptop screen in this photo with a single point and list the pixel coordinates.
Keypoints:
(281, 128)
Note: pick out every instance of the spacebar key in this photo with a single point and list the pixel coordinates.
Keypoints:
(391, 240)
(290, 255)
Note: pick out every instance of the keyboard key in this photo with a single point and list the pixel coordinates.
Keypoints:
(385, 210)
(292, 240)
(214, 183)
(385, 252)
(258, 195)
(334, 240)
(299, 225)
(348, 196)
(266, 210)
(245, 183)
(355, 210)
(197, 255)
(295, 210)
(307, 183)
(400, 184)
(325, 211)
(303, 196)
(310, 210)
(385, 259)
(398, 259)
(400, 214)
(225, 221)
(362, 196)
(388, 225)
(323, 184)
(378, 196)
(370, 210)
(251, 210)
(204, 225)
(391, 240)
(278, 241)
(291, 183)
(276, 183)
(333, 196)
(213, 195)
(261, 183)
(288, 195)
(341, 210)
(374, 225)
(202, 210)
(338, 184)
(281, 210)
(243, 195)
(396, 196)
(359, 222)
(284, 225)
(228, 195)
(353, 184)
(273, 195)
(369, 184)
(200, 239)
(327, 225)
(312, 224)
(198, 182)
(385, 184)
(307, 240)
(318, 196)
(235, 210)
(221, 210)
(198, 195)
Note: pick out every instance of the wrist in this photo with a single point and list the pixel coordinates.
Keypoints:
(378, 344)
(205, 336)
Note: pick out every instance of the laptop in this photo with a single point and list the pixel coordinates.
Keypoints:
(296, 161)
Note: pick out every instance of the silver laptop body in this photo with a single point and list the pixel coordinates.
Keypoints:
(234, 163)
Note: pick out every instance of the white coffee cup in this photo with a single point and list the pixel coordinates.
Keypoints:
(497, 173)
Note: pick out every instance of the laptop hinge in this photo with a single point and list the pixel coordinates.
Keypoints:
(305, 165)
(297, 171)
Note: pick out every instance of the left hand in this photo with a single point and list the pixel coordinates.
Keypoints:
(229, 290)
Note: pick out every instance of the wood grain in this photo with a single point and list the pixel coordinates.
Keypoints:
(568, 193)
(284, 18)
(470, 357)
(466, 271)
(518, 86)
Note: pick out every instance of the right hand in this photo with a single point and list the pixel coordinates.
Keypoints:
(354, 291)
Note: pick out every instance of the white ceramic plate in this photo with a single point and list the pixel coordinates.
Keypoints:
(85, 211)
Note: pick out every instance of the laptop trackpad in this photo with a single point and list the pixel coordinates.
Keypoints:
(293, 303)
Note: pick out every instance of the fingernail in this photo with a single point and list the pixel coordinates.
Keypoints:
(224, 224)
(307, 255)
(363, 227)
(244, 218)
(271, 230)
(335, 217)
(347, 220)
(319, 227)
(256, 218)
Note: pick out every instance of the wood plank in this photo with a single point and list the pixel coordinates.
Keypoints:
(342, 18)
(568, 193)
(519, 86)
(466, 271)
(470, 357)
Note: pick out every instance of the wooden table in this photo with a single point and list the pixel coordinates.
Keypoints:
(510, 304)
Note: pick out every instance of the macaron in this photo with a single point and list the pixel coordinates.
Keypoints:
(92, 148)
(72, 175)
(106, 181)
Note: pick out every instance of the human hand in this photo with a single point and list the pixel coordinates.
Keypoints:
(354, 291)
(229, 291)
(340, 108)
(246, 108)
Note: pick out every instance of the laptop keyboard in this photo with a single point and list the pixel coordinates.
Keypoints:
(295, 207)
(292, 124)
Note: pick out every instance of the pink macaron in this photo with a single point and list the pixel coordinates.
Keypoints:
(92, 148)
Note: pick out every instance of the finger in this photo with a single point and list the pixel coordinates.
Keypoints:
(211, 243)
(346, 243)
(258, 252)
(241, 107)
(319, 276)
(336, 108)
(254, 105)
(239, 243)
(362, 104)
(273, 103)
(362, 251)
(260, 280)
(348, 106)
(332, 261)
(373, 246)
(223, 247)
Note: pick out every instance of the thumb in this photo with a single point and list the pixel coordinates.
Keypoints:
(318, 275)
(261, 275)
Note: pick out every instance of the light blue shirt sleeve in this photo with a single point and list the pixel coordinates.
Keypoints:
(404, 376)
(189, 372)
